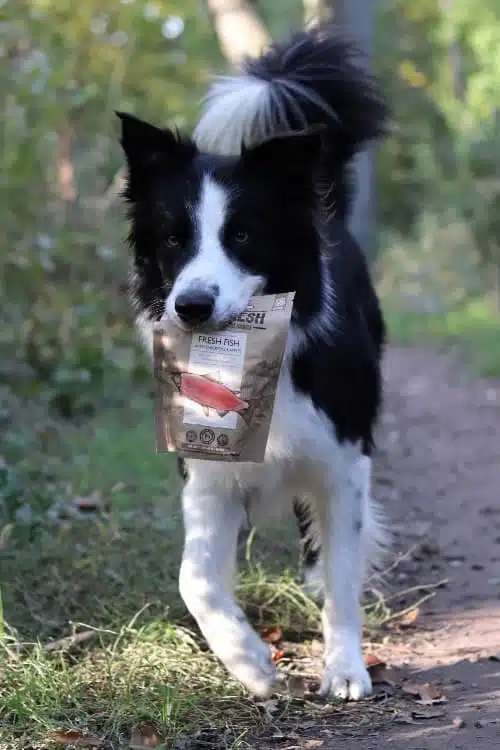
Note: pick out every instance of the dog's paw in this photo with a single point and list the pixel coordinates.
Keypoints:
(254, 667)
(245, 656)
(345, 675)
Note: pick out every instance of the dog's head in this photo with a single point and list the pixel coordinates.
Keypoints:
(209, 232)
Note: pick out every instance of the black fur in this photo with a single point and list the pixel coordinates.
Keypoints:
(342, 96)
(269, 183)
(274, 197)
(310, 546)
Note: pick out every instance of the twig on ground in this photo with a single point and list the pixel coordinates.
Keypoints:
(70, 640)
(403, 612)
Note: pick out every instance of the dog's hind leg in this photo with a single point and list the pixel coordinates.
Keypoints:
(213, 515)
(309, 532)
(341, 513)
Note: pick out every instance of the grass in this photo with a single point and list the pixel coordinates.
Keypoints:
(149, 671)
(434, 290)
(473, 328)
(94, 639)
(112, 576)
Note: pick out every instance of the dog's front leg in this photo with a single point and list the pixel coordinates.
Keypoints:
(213, 515)
(345, 675)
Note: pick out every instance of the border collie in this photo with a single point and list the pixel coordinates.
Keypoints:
(257, 202)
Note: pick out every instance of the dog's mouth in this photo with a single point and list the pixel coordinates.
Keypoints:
(209, 326)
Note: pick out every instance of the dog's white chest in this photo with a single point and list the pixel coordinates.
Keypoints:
(292, 422)
(299, 431)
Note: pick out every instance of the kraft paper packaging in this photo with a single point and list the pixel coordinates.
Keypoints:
(215, 390)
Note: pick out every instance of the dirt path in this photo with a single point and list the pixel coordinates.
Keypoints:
(438, 473)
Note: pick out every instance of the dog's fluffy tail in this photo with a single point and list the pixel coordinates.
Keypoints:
(314, 77)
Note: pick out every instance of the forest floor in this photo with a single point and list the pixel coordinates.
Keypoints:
(438, 475)
(96, 649)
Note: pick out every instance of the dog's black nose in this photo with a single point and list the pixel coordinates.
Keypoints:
(194, 307)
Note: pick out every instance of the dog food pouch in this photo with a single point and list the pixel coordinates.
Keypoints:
(216, 389)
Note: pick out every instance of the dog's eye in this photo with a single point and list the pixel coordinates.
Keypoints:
(173, 241)
(241, 237)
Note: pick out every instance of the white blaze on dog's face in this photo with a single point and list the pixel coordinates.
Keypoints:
(212, 288)
(209, 231)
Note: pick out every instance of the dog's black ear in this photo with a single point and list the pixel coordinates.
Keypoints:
(287, 155)
(145, 145)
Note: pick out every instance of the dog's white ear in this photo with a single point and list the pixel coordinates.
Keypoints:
(146, 145)
(296, 152)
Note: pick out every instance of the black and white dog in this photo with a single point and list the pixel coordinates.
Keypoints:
(257, 202)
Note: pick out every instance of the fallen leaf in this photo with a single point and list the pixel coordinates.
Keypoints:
(376, 668)
(272, 635)
(371, 660)
(380, 673)
(92, 502)
(145, 737)
(431, 694)
(427, 694)
(408, 618)
(74, 737)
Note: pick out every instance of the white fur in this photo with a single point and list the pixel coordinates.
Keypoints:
(244, 110)
(345, 674)
(213, 514)
(375, 539)
(237, 111)
(322, 324)
(145, 330)
(303, 456)
(313, 580)
(211, 267)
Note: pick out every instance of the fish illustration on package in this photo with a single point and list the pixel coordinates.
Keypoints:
(209, 393)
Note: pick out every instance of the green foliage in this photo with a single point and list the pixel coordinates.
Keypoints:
(443, 158)
(65, 68)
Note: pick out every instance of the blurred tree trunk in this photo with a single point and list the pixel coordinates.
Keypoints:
(357, 18)
(239, 28)
(455, 57)
(317, 11)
